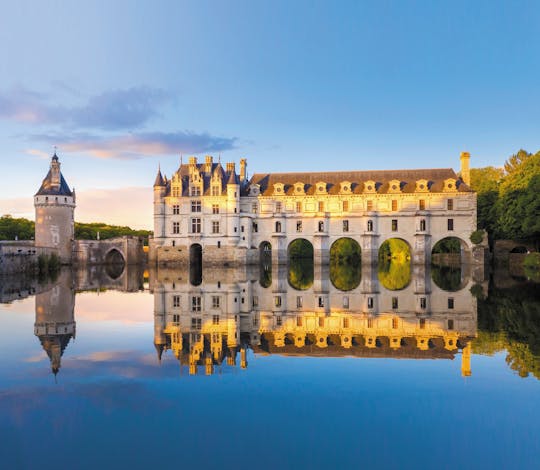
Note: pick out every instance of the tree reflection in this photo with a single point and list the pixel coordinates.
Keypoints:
(394, 264)
(300, 273)
(345, 264)
(447, 278)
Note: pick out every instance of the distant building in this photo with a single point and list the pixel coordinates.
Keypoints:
(208, 208)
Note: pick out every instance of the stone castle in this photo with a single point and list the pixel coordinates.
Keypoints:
(210, 209)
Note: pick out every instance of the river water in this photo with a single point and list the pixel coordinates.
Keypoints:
(300, 367)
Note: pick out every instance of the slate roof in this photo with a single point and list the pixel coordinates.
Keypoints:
(48, 189)
(407, 178)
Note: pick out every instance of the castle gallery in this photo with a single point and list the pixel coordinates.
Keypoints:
(214, 210)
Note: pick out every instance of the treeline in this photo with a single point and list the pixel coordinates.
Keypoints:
(23, 229)
(509, 198)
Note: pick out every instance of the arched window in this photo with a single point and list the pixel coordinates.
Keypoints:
(423, 225)
(370, 225)
(278, 226)
(321, 226)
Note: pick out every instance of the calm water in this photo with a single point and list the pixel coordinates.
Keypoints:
(299, 368)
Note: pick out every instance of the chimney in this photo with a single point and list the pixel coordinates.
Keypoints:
(465, 169)
(208, 164)
(230, 167)
(192, 160)
(243, 166)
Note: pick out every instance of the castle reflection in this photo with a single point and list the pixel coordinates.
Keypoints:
(231, 311)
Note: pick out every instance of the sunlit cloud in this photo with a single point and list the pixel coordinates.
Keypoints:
(135, 146)
(111, 110)
(38, 153)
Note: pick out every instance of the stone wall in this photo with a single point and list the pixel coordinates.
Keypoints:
(21, 257)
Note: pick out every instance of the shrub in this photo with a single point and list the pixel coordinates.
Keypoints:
(477, 236)
(532, 260)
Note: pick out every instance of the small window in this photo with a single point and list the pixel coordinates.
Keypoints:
(423, 225)
(278, 227)
(255, 301)
(176, 209)
(196, 303)
(321, 301)
(299, 302)
(299, 321)
(299, 226)
(422, 323)
(321, 206)
(215, 319)
(345, 302)
(321, 322)
(395, 323)
(216, 301)
(422, 204)
(370, 302)
(254, 207)
(219, 244)
(215, 191)
(278, 206)
(215, 208)
(450, 303)
(298, 207)
(176, 318)
(196, 225)
(345, 323)
(395, 302)
(369, 205)
(345, 206)
(450, 204)
(450, 324)
(394, 205)
(321, 226)
(195, 191)
(255, 227)
(450, 224)
(215, 226)
(370, 225)
(176, 301)
(278, 321)
(423, 302)
(394, 225)
(196, 323)
(176, 227)
(242, 228)
(345, 225)
(277, 300)
(370, 322)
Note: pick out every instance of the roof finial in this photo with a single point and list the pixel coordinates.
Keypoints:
(181, 158)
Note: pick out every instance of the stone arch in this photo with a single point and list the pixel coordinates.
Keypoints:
(195, 254)
(345, 264)
(300, 248)
(265, 264)
(394, 268)
(195, 264)
(300, 269)
(114, 263)
(519, 249)
(450, 251)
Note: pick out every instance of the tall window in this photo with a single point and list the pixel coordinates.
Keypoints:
(215, 191)
(176, 209)
(345, 225)
(321, 206)
(422, 204)
(196, 206)
(196, 323)
(321, 226)
(450, 303)
(195, 191)
(299, 321)
(394, 205)
(345, 206)
(346, 302)
(298, 207)
(176, 227)
(196, 225)
(176, 191)
(299, 302)
(423, 302)
(369, 205)
(215, 226)
(255, 227)
(394, 225)
(321, 302)
(394, 302)
(278, 207)
(215, 319)
(277, 300)
(450, 324)
(299, 226)
(321, 322)
(176, 301)
(216, 301)
(370, 225)
(422, 322)
(422, 225)
(278, 226)
(370, 302)
(196, 303)
(450, 204)
(370, 322)
(254, 207)
(450, 224)
(395, 323)
(215, 208)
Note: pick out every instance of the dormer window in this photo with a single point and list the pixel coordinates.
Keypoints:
(394, 186)
(279, 188)
(195, 191)
(450, 185)
(422, 186)
(370, 187)
(345, 187)
(254, 190)
(299, 188)
(320, 187)
(216, 190)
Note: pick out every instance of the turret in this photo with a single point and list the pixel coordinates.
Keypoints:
(465, 168)
(55, 205)
(160, 189)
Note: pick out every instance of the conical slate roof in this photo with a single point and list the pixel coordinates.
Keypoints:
(48, 188)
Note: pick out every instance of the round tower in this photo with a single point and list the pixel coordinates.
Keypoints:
(55, 205)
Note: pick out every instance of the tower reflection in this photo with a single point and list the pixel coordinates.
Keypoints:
(231, 311)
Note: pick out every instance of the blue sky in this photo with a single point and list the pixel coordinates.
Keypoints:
(120, 86)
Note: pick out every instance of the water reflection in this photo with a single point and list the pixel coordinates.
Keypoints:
(301, 310)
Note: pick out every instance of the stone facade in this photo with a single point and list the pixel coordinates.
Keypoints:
(231, 218)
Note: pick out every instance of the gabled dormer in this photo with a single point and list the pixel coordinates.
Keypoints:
(321, 187)
(345, 187)
(370, 186)
(394, 186)
(279, 189)
(254, 190)
(422, 186)
(450, 185)
(299, 188)
(176, 185)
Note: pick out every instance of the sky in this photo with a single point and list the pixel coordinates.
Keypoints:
(122, 87)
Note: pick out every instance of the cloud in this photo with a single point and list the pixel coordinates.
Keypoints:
(112, 110)
(135, 146)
